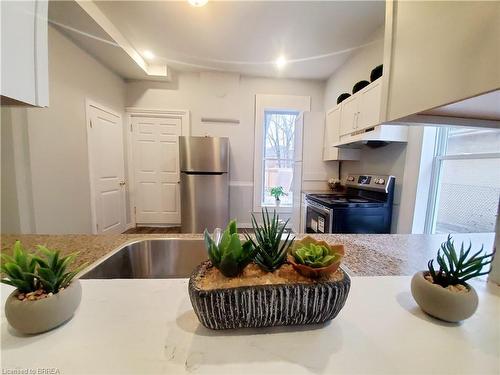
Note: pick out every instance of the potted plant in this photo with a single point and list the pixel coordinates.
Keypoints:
(270, 250)
(265, 290)
(226, 252)
(46, 294)
(277, 192)
(314, 259)
(334, 184)
(444, 293)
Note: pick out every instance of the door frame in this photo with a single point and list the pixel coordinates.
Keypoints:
(131, 112)
(93, 210)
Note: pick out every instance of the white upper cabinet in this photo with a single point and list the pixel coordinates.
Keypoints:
(24, 53)
(437, 53)
(361, 110)
(332, 136)
(369, 106)
(349, 115)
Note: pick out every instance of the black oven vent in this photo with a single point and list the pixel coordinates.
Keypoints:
(376, 144)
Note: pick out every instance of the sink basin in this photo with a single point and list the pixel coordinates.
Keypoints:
(151, 259)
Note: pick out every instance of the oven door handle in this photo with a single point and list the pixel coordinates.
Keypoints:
(318, 208)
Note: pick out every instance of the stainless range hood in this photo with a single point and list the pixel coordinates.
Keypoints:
(377, 136)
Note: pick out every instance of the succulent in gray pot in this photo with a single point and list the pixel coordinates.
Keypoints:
(46, 294)
(250, 284)
(444, 293)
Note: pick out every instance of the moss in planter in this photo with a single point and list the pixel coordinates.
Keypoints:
(210, 278)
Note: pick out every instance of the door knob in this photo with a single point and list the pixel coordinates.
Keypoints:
(122, 183)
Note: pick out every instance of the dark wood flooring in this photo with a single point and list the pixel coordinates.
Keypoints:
(166, 230)
(153, 230)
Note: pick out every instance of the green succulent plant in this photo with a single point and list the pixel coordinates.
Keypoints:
(457, 268)
(270, 250)
(315, 256)
(19, 269)
(28, 272)
(52, 272)
(226, 252)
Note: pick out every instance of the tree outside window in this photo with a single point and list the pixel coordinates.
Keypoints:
(279, 140)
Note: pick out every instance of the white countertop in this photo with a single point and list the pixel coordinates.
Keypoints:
(148, 326)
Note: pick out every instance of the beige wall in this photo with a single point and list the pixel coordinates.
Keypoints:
(224, 95)
(357, 68)
(57, 136)
(9, 201)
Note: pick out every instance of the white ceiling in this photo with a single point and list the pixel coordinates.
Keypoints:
(244, 37)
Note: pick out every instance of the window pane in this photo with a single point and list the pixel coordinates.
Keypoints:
(279, 140)
(472, 141)
(277, 173)
(468, 197)
(279, 135)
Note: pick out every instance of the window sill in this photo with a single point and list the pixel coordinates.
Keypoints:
(271, 207)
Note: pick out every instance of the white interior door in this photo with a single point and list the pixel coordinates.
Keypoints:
(106, 164)
(156, 169)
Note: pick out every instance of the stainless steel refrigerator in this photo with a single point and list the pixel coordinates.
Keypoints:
(204, 167)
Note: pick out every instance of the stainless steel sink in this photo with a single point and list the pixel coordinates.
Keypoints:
(151, 259)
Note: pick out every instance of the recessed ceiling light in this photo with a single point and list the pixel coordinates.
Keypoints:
(197, 3)
(148, 55)
(280, 62)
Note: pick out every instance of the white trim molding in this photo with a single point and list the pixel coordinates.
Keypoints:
(263, 103)
(241, 183)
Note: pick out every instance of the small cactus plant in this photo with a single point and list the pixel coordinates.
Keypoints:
(270, 250)
(455, 269)
(226, 252)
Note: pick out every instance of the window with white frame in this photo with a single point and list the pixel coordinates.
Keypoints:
(465, 183)
(278, 156)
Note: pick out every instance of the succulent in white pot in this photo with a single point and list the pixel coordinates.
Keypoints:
(444, 293)
(46, 294)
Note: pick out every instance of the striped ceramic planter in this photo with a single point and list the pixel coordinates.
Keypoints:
(267, 305)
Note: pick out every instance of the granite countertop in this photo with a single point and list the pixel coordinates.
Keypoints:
(366, 254)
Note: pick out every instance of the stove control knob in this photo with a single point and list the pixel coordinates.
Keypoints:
(381, 181)
(350, 178)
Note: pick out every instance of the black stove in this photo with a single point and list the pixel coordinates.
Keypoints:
(365, 207)
(341, 200)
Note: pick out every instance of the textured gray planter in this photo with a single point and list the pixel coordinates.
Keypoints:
(267, 305)
(442, 303)
(32, 317)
